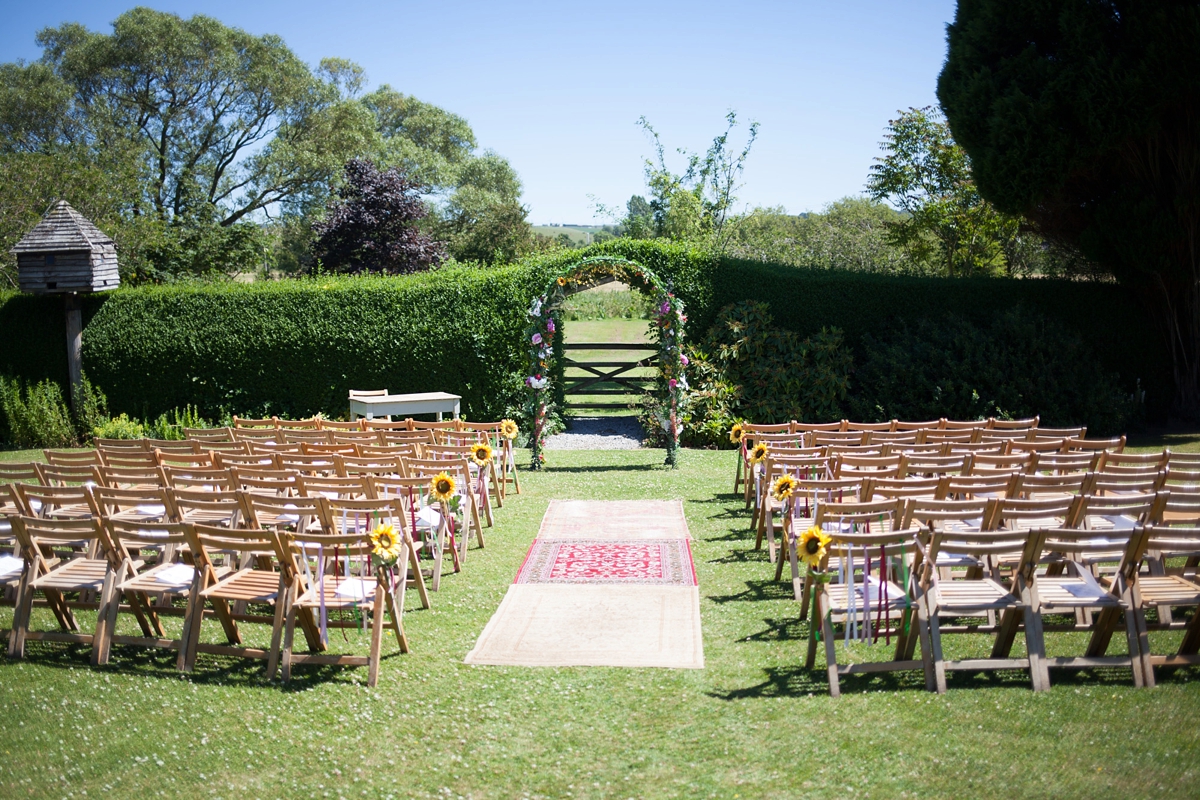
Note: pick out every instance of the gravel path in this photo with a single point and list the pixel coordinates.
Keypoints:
(598, 433)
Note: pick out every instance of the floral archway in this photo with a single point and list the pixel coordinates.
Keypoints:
(666, 330)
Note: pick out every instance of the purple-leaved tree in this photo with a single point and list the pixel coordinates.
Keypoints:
(373, 225)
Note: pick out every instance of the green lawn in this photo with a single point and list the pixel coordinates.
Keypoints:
(753, 723)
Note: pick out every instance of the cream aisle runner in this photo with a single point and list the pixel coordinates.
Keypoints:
(605, 584)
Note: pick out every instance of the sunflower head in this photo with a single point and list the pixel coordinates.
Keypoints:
(736, 433)
(508, 429)
(442, 487)
(783, 488)
(481, 453)
(811, 546)
(562, 281)
(385, 544)
(759, 453)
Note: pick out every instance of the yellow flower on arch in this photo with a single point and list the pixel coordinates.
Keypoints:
(783, 487)
(508, 429)
(811, 546)
(562, 281)
(759, 453)
(442, 487)
(481, 453)
(385, 544)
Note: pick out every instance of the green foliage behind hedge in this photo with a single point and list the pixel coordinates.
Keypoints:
(296, 347)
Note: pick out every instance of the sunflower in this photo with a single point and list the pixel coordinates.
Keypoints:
(783, 488)
(442, 487)
(736, 433)
(385, 544)
(481, 453)
(508, 429)
(811, 546)
(562, 281)
(759, 453)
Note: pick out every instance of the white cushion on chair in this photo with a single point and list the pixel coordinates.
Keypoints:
(176, 575)
(355, 589)
(10, 567)
(427, 517)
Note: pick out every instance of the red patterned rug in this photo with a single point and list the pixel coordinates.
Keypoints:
(660, 562)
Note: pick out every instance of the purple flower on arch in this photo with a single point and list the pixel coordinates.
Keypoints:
(537, 338)
(550, 325)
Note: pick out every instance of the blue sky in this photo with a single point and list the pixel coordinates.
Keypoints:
(557, 88)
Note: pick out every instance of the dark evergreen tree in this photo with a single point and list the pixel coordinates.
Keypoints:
(1084, 117)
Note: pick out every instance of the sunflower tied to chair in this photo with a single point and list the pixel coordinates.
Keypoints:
(481, 453)
(783, 487)
(759, 453)
(810, 546)
(508, 429)
(385, 544)
(442, 487)
(736, 433)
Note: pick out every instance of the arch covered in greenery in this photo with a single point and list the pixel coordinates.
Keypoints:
(666, 329)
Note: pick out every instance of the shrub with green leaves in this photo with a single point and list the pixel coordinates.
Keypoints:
(747, 368)
(120, 427)
(36, 416)
(1023, 363)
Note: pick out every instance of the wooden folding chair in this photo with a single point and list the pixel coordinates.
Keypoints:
(481, 473)
(209, 435)
(1077, 590)
(1032, 485)
(202, 506)
(212, 480)
(20, 472)
(247, 460)
(1057, 463)
(967, 487)
(374, 587)
(493, 434)
(425, 521)
(922, 466)
(132, 477)
(904, 488)
(307, 436)
(319, 449)
(310, 424)
(173, 445)
(266, 482)
(853, 466)
(356, 487)
(982, 596)
(844, 514)
(254, 436)
(749, 431)
(1175, 589)
(129, 445)
(868, 605)
(55, 576)
(892, 437)
(1123, 462)
(344, 517)
(310, 465)
(1007, 463)
(799, 513)
(341, 425)
(461, 473)
(964, 424)
(353, 437)
(353, 466)
(227, 448)
(69, 476)
(73, 458)
(399, 450)
(270, 578)
(144, 504)
(182, 461)
(996, 423)
(56, 502)
(1058, 433)
(242, 424)
(166, 579)
(766, 506)
(909, 425)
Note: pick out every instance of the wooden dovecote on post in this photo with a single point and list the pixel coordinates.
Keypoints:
(66, 254)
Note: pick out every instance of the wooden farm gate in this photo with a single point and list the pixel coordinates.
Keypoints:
(624, 380)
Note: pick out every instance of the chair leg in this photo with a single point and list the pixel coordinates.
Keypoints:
(1139, 615)
(831, 665)
(814, 625)
(418, 577)
(1135, 653)
(1035, 646)
(377, 614)
(189, 620)
(16, 638)
(933, 632)
(99, 635)
(283, 603)
(289, 633)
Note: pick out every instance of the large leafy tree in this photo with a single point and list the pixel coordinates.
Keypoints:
(926, 175)
(1084, 117)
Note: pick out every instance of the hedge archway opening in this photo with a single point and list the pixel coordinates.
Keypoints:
(666, 330)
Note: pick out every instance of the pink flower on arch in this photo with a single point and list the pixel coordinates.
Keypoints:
(672, 383)
(537, 338)
(684, 360)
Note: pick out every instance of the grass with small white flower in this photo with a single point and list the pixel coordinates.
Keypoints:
(753, 723)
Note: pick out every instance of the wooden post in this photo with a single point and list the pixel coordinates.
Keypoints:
(74, 309)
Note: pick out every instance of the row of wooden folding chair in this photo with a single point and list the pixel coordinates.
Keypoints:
(273, 568)
(1022, 532)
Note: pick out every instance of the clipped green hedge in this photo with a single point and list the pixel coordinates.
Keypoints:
(296, 347)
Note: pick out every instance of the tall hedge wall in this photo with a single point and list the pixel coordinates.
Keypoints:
(296, 347)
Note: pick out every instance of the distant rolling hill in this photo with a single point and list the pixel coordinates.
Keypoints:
(580, 234)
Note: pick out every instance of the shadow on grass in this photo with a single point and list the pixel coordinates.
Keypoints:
(209, 670)
(608, 468)
(757, 591)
